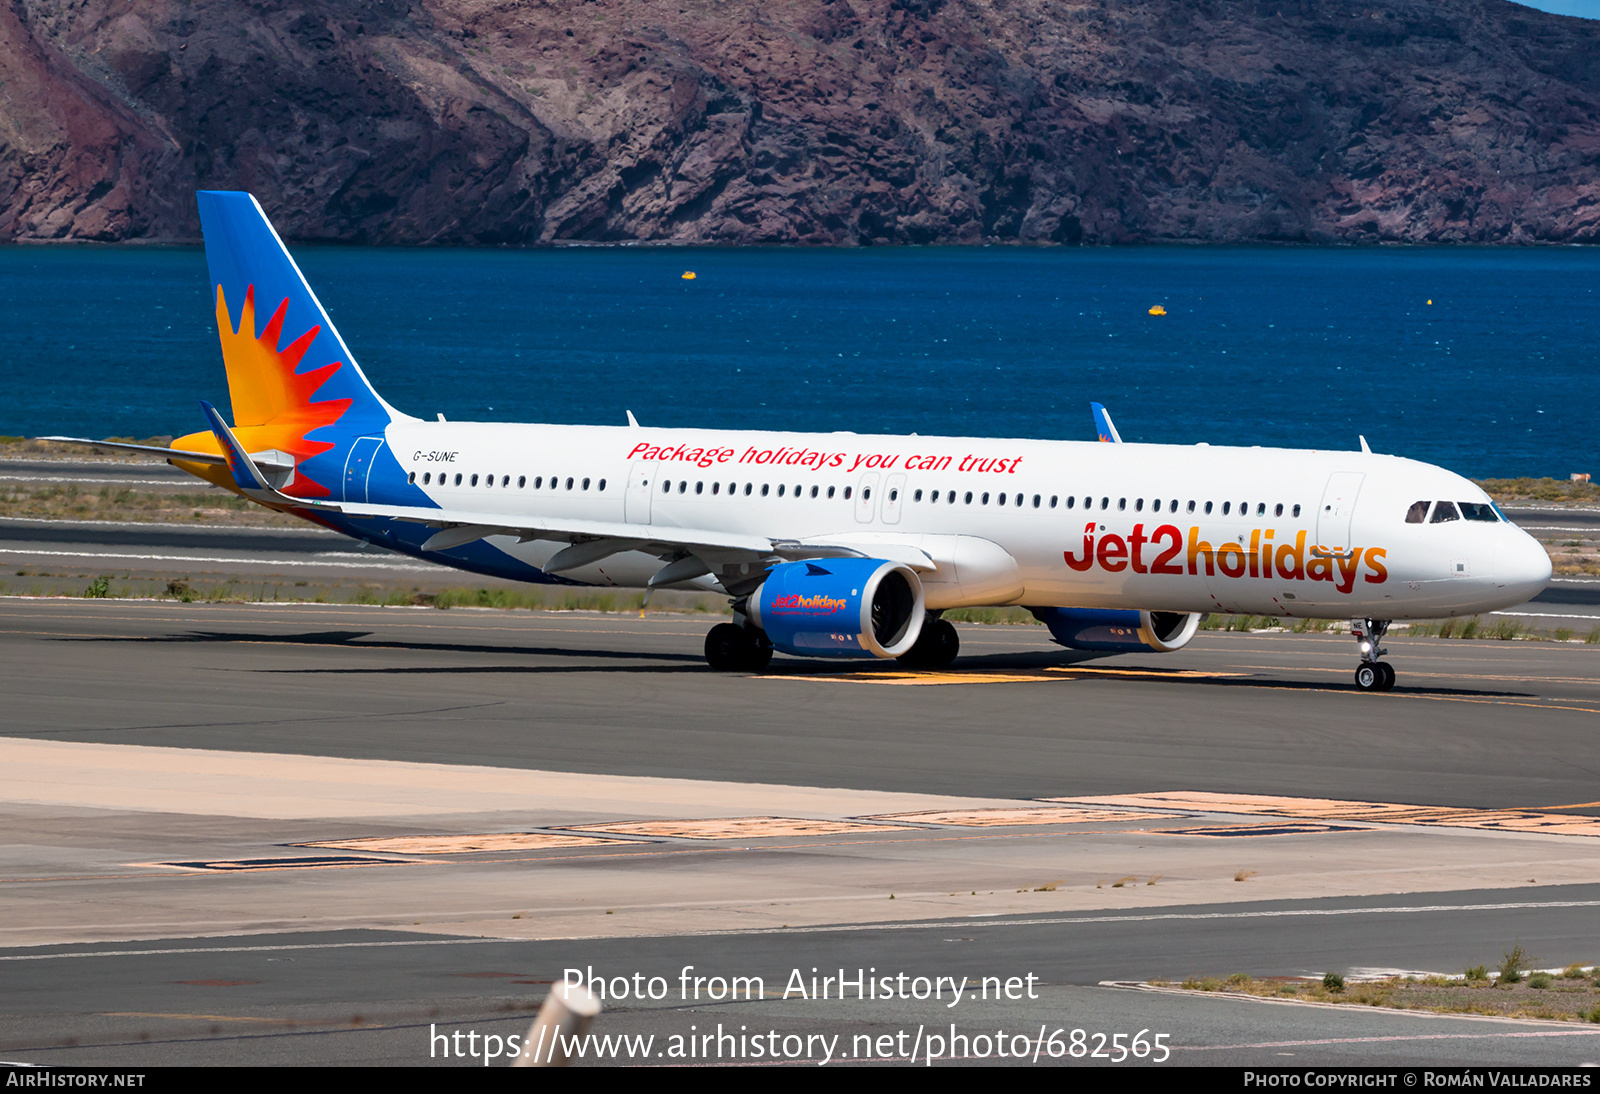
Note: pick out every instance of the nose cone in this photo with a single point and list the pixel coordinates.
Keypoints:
(1523, 569)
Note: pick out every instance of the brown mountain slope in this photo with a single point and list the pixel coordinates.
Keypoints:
(826, 121)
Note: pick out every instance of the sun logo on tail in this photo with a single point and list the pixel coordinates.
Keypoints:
(271, 403)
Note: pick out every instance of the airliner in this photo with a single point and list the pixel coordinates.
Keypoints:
(840, 545)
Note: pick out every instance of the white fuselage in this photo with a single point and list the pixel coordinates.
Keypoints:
(1039, 523)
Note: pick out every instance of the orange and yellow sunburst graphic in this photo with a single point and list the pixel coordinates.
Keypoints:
(272, 405)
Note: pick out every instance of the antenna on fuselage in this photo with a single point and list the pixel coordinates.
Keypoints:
(1364, 447)
(633, 423)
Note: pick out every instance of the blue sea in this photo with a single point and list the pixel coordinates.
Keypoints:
(1479, 359)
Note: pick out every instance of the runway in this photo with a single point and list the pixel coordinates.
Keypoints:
(320, 833)
(161, 760)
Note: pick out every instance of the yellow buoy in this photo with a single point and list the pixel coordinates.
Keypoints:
(1430, 303)
(1158, 310)
(688, 275)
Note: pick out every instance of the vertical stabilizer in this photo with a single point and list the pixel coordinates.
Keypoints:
(292, 381)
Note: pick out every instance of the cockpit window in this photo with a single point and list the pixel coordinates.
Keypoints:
(1443, 511)
(1475, 510)
(1417, 513)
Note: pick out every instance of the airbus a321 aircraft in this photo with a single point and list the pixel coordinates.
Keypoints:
(839, 544)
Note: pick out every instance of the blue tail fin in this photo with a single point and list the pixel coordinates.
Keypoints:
(252, 275)
(292, 380)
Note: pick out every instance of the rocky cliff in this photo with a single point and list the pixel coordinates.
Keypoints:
(813, 121)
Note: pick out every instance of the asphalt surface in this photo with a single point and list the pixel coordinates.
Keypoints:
(1491, 725)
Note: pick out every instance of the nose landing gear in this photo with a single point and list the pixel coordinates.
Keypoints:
(1372, 674)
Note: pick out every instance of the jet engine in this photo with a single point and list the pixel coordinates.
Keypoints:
(1108, 630)
(840, 607)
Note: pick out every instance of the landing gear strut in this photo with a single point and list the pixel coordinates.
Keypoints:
(1372, 674)
(734, 648)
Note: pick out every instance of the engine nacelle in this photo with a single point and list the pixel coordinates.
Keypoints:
(1110, 630)
(840, 607)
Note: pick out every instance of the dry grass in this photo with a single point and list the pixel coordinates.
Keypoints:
(1542, 491)
(199, 504)
(1570, 996)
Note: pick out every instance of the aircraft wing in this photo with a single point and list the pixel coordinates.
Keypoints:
(697, 551)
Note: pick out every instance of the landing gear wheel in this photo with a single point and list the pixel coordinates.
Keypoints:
(1375, 676)
(1372, 674)
(934, 648)
(728, 647)
(761, 652)
(732, 648)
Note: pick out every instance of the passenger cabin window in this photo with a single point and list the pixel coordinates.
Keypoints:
(1417, 513)
(1444, 511)
(1227, 505)
(522, 482)
(1208, 508)
(1297, 510)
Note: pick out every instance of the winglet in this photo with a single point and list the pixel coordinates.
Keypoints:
(1103, 428)
(246, 473)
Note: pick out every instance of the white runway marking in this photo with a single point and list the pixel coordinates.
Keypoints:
(375, 564)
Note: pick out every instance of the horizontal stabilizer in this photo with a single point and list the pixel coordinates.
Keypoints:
(272, 462)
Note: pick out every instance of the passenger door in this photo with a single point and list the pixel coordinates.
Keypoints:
(1338, 506)
(358, 467)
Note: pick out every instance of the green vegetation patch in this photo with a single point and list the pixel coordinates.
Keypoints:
(1510, 991)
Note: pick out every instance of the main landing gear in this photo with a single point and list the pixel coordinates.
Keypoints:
(1372, 674)
(731, 647)
(936, 646)
(738, 647)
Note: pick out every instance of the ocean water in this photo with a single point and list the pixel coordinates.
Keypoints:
(1291, 346)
